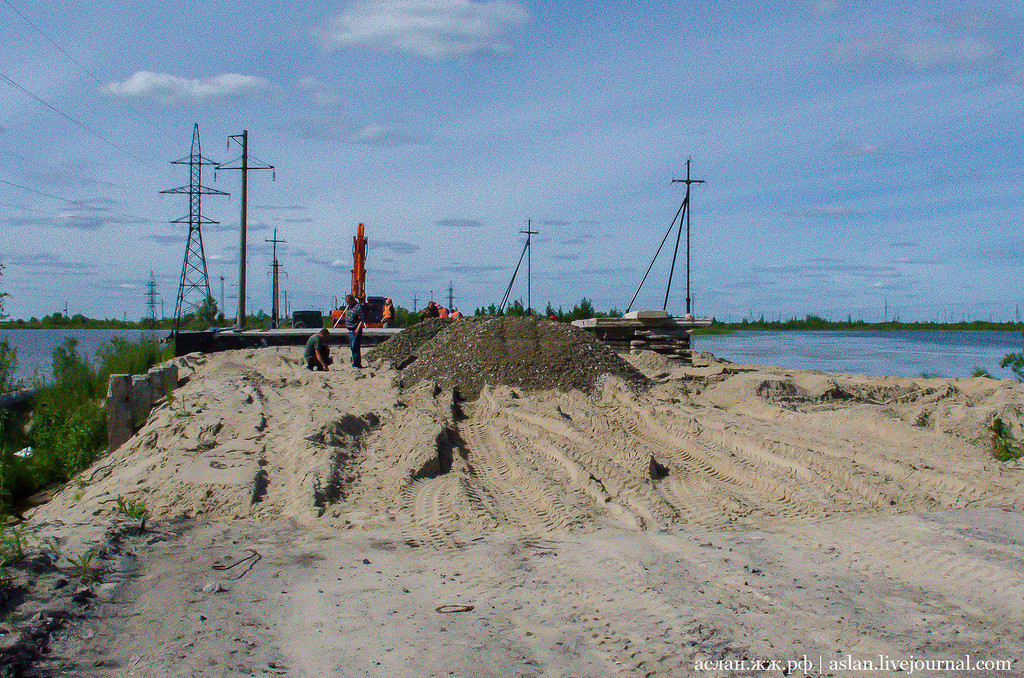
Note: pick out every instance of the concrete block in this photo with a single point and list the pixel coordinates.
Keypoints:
(120, 426)
(140, 399)
(171, 372)
(156, 384)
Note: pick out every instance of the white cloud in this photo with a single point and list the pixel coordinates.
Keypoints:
(437, 29)
(926, 53)
(320, 93)
(167, 88)
(865, 49)
(932, 53)
(862, 148)
(372, 134)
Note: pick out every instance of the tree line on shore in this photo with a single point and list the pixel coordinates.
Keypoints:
(207, 315)
(814, 322)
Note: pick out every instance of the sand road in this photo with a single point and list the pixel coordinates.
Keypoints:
(729, 515)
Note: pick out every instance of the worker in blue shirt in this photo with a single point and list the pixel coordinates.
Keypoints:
(354, 318)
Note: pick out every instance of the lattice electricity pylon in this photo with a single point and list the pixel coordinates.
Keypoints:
(194, 277)
(151, 294)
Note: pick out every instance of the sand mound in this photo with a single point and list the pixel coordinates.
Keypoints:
(252, 434)
(531, 353)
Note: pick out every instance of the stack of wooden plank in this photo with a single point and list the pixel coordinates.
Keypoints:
(646, 331)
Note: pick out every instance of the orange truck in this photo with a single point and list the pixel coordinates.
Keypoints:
(373, 307)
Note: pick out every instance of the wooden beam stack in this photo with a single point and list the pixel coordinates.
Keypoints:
(646, 331)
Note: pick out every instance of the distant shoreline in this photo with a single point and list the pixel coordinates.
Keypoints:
(859, 326)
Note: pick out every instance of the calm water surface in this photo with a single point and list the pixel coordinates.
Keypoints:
(35, 347)
(873, 353)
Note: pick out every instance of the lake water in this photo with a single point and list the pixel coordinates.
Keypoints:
(873, 353)
(35, 347)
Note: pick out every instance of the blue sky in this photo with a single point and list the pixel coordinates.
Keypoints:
(857, 155)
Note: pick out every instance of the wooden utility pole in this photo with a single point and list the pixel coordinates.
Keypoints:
(529, 270)
(683, 211)
(244, 166)
(686, 202)
(526, 253)
(274, 315)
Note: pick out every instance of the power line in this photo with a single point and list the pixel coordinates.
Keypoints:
(72, 59)
(61, 170)
(81, 124)
(52, 41)
(79, 203)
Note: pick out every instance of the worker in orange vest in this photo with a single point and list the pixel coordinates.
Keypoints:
(442, 312)
(387, 317)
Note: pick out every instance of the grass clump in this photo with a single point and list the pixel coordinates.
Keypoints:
(69, 426)
(83, 567)
(134, 509)
(1004, 446)
(13, 543)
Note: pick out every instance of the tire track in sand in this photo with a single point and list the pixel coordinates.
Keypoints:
(432, 519)
(524, 497)
(596, 472)
(916, 557)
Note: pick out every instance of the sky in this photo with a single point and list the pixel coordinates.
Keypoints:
(860, 158)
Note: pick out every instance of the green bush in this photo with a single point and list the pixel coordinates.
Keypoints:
(1004, 446)
(1015, 361)
(69, 424)
(121, 356)
(8, 364)
(14, 478)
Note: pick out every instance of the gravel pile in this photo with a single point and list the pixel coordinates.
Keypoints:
(531, 353)
(399, 349)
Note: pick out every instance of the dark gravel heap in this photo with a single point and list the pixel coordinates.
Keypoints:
(531, 353)
(400, 348)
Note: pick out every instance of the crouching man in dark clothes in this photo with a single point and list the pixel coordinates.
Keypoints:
(317, 353)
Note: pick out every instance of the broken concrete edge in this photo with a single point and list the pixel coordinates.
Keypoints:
(130, 398)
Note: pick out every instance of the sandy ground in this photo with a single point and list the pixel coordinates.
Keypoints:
(732, 514)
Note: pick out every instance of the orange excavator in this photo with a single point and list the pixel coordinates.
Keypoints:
(373, 307)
